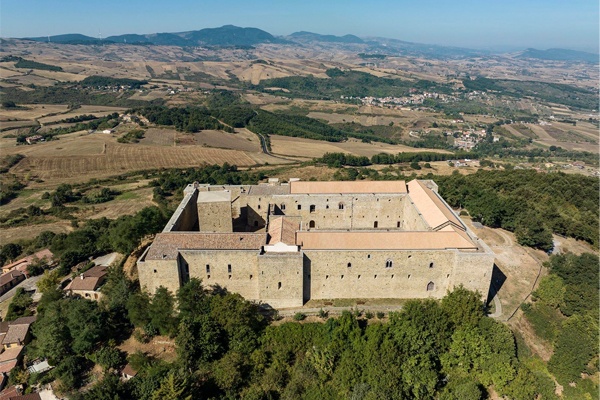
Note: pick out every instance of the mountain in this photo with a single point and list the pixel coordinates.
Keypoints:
(230, 35)
(560, 55)
(315, 37)
(69, 38)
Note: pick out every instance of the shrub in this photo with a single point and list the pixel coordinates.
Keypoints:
(380, 315)
(368, 315)
(299, 316)
(323, 314)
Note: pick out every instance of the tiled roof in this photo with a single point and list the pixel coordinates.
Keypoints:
(377, 240)
(10, 276)
(6, 368)
(84, 283)
(167, 244)
(432, 208)
(39, 255)
(15, 334)
(358, 187)
(128, 370)
(282, 230)
(266, 190)
(23, 321)
(11, 354)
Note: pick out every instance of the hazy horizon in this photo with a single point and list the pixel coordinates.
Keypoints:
(506, 26)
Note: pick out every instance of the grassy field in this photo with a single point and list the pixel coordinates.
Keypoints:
(79, 157)
(308, 148)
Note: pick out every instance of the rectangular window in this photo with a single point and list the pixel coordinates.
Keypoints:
(228, 268)
(299, 207)
(278, 285)
(207, 269)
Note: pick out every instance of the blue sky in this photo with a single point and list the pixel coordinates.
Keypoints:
(499, 24)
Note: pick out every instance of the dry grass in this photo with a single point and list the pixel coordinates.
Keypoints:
(33, 111)
(308, 148)
(29, 232)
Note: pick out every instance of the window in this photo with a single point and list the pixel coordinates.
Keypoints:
(389, 264)
(259, 206)
(278, 285)
(341, 206)
(207, 276)
(228, 268)
(368, 256)
(349, 265)
(359, 277)
(375, 224)
(342, 277)
(250, 277)
(154, 271)
(375, 277)
(312, 208)
(299, 207)
(282, 206)
(207, 268)
(431, 265)
(398, 224)
(430, 286)
(311, 224)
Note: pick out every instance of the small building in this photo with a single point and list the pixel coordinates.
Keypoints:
(87, 284)
(108, 131)
(18, 333)
(10, 358)
(578, 164)
(10, 280)
(128, 372)
(23, 263)
(33, 139)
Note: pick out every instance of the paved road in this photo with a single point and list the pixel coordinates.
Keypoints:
(27, 284)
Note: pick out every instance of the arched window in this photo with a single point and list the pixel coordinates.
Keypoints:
(312, 208)
(311, 224)
(389, 263)
(430, 265)
(430, 286)
(341, 206)
(349, 265)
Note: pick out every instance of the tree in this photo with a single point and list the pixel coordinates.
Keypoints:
(138, 309)
(192, 299)
(109, 358)
(48, 281)
(19, 305)
(198, 340)
(162, 311)
(10, 251)
(551, 291)
(173, 387)
(464, 307)
(575, 346)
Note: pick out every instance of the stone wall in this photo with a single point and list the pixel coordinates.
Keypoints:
(280, 282)
(369, 274)
(235, 270)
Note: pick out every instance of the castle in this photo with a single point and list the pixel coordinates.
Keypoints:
(283, 244)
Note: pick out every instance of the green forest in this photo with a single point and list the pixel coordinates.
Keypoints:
(531, 204)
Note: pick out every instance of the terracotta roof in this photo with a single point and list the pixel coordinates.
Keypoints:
(128, 370)
(6, 368)
(4, 326)
(85, 283)
(10, 276)
(432, 208)
(11, 354)
(39, 255)
(358, 187)
(30, 396)
(167, 244)
(266, 190)
(377, 240)
(97, 271)
(23, 321)
(15, 334)
(282, 230)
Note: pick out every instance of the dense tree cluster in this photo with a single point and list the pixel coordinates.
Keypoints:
(565, 313)
(30, 64)
(103, 81)
(531, 204)
(225, 349)
(188, 119)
